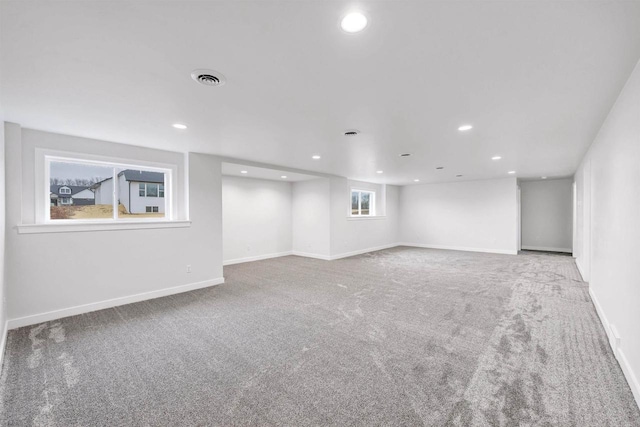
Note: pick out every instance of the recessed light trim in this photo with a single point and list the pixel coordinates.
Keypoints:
(244, 172)
(496, 157)
(354, 22)
(511, 172)
(543, 177)
(379, 171)
(180, 126)
(416, 180)
(316, 157)
(465, 128)
(283, 176)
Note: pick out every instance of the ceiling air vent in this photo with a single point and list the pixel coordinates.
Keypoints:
(208, 77)
(351, 132)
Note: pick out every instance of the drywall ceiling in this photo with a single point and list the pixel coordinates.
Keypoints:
(535, 79)
(233, 169)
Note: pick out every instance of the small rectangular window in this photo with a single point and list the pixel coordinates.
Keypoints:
(362, 203)
(92, 190)
(152, 190)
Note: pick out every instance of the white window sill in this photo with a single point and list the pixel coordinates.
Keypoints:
(99, 226)
(366, 218)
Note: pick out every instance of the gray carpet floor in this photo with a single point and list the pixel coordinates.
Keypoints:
(404, 336)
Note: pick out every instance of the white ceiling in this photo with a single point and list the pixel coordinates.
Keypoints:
(536, 80)
(233, 169)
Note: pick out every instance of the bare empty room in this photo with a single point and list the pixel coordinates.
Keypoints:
(319, 213)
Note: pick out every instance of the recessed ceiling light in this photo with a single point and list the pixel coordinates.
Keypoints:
(284, 177)
(511, 172)
(440, 167)
(179, 126)
(379, 171)
(465, 127)
(416, 180)
(354, 22)
(244, 172)
(405, 154)
(543, 177)
(496, 158)
(316, 157)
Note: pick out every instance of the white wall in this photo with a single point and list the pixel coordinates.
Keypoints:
(3, 292)
(111, 264)
(256, 219)
(547, 214)
(311, 217)
(350, 236)
(472, 215)
(608, 182)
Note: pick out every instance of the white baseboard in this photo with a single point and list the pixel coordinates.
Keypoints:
(256, 258)
(460, 248)
(311, 255)
(100, 305)
(580, 270)
(363, 251)
(546, 249)
(632, 379)
(3, 342)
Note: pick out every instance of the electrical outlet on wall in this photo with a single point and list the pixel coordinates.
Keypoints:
(188, 268)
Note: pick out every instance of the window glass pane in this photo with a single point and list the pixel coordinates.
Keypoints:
(354, 202)
(72, 193)
(364, 203)
(139, 194)
(161, 191)
(152, 190)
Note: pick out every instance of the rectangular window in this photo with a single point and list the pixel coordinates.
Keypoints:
(109, 191)
(362, 203)
(152, 190)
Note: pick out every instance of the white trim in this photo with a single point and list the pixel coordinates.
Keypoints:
(114, 302)
(256, 258)
(310, 255)
(461, 248)
(546, 249)
(98, 226)
(580, 269)
(614, 341)
(365, 217)
(3, 341)
(363, 251)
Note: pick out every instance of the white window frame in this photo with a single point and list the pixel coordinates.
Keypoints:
(68, 190)
(372, 203)
(42, 170)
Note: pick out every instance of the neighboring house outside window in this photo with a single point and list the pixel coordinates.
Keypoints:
(77, 195)
(138, 190)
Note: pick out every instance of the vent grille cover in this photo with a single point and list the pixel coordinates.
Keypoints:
(208, 77)
(351, 132)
